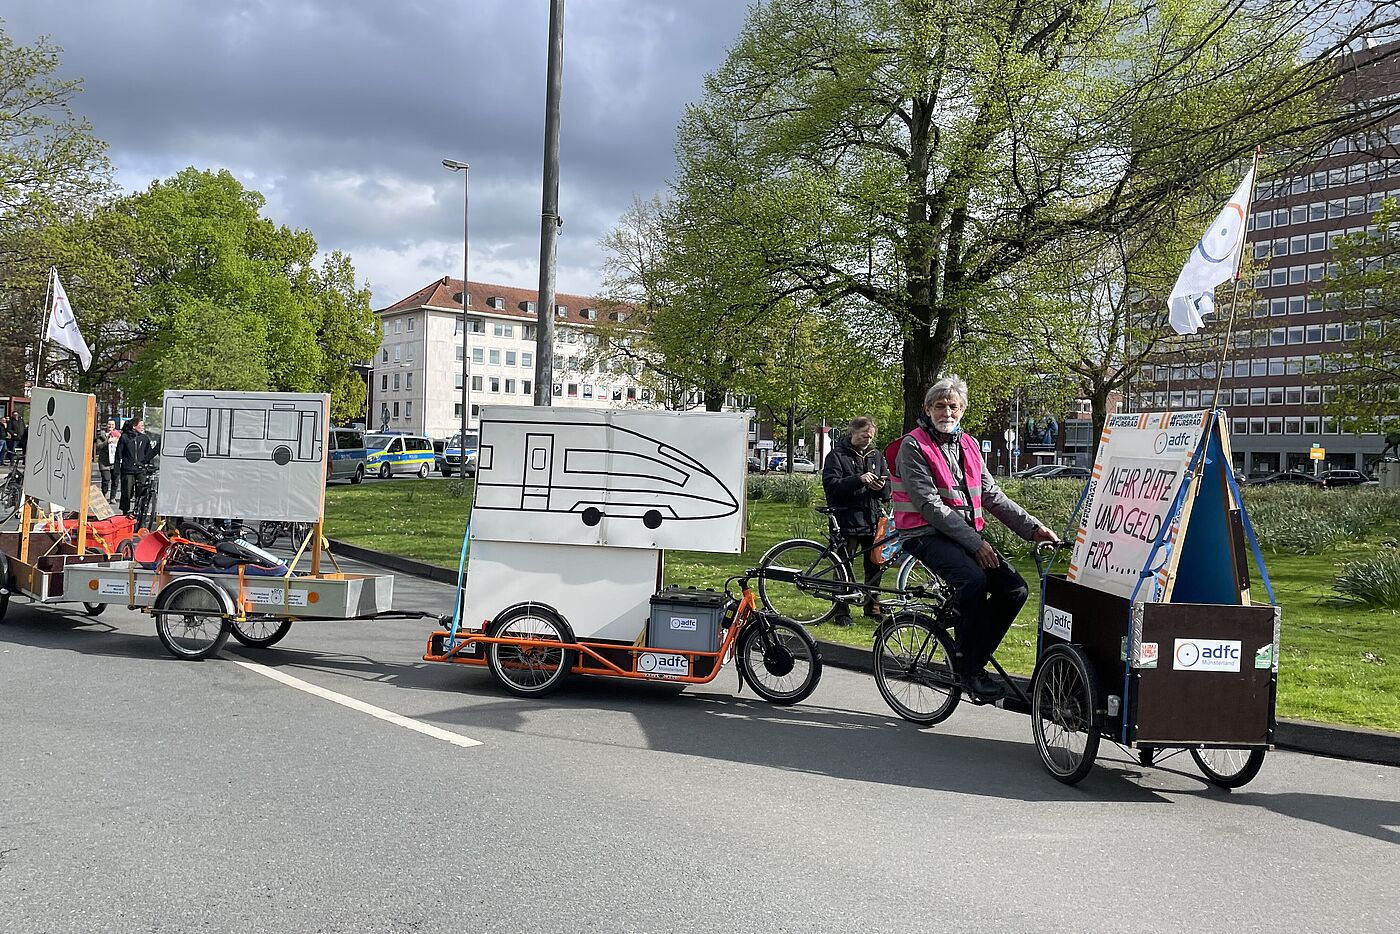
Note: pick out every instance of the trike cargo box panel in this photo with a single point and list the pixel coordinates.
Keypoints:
(338, 596)
(45, 576)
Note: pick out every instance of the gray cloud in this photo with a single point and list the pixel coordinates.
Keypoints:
(340, 111)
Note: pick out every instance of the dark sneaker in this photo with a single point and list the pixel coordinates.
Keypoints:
(984, 687)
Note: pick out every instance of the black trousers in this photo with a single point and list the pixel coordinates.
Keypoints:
(858, 551)
(987, 601)
(128, 485)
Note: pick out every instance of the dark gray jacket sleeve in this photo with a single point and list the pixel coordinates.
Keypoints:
(998, 504)
(914, 471)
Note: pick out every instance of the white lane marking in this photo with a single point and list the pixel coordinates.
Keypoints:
(447, 736)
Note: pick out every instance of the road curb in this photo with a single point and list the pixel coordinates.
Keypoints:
(1318, 739)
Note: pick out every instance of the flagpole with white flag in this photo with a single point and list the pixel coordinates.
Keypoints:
(62, 328)
(1217, 256)
(1252, 178)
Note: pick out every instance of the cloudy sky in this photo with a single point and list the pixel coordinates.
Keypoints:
(341, 111)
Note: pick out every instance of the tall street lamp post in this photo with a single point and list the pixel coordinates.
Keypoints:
(455, 166)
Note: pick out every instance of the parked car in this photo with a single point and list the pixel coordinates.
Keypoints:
(803, 465)
(452, 456)
(1035, 471)
(347, 454)
(1294, 477)
(1063, 472)
(1336, 477)
(755, 464)
(398, 453)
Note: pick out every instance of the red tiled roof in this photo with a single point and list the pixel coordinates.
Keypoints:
(443, 293)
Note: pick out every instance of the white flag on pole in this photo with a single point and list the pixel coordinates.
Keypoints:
(63, 327)
(1215, 259)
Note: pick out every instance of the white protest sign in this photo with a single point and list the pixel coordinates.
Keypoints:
(611, 477)
(59, 453)
(246, 455)
(1141, 464)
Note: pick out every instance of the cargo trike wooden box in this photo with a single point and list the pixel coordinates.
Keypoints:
(43, 577)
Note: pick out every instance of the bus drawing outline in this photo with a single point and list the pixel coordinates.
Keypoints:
(571, 468)
(200, 425)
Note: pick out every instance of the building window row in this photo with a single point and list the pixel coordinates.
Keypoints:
(1315, 211)
(1323, 179)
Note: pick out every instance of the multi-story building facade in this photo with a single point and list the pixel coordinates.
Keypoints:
(1274, 385)
(415, 379)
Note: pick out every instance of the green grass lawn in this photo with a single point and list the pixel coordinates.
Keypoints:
(1338, 664)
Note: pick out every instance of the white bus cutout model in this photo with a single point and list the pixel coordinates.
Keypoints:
(200, 424)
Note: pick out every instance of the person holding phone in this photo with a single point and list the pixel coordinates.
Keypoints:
(855, 479)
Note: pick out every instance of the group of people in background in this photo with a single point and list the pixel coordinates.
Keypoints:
(118, 454)
(14, 434)
(940, 491)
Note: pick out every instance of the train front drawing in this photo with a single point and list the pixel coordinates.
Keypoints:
(594, 469)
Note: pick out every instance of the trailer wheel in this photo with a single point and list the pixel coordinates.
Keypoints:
(530, 671)
(191, 619)
(94, 609)
(1229, 768)
(1064, 714)
(5, 585)
(260, 632)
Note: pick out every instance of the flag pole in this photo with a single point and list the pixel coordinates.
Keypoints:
(44, 327)
(1235, 292)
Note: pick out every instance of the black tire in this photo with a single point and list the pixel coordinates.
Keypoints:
(1064, 713)
(782, 668)
(913, 669)
(385, 471)
(530, 671)
(190, 620)
(93, 609)
(446, 471)
(423, 472)
(914, 573)
(359, 474)
(5, 585)
(800, 603)
(260, 632)
(268, 532)
(1229, 768)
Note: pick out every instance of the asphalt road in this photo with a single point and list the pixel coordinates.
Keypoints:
(144, 794)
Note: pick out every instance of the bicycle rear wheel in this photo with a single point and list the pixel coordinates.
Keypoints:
(913, 669)
(914, 573)
(811, 602)
(779, 660)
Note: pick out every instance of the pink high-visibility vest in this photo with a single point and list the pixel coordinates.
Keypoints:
(906, 514)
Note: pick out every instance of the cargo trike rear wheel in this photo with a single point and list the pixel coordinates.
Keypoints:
(530, 670)
(1229, 768)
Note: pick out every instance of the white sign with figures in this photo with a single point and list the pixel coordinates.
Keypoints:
(611, 477)
(1141, 464)
(244, 455)
(59, 454)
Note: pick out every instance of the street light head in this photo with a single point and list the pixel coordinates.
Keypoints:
(454, 165)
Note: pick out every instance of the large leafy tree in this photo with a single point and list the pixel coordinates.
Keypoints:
(927, 150)
(1367, 374)
(51, 168)
(229, 299)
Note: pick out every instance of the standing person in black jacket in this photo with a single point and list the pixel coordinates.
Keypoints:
(856, 481)
(133, 452)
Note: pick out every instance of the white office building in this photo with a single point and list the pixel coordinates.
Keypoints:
(415, 379)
